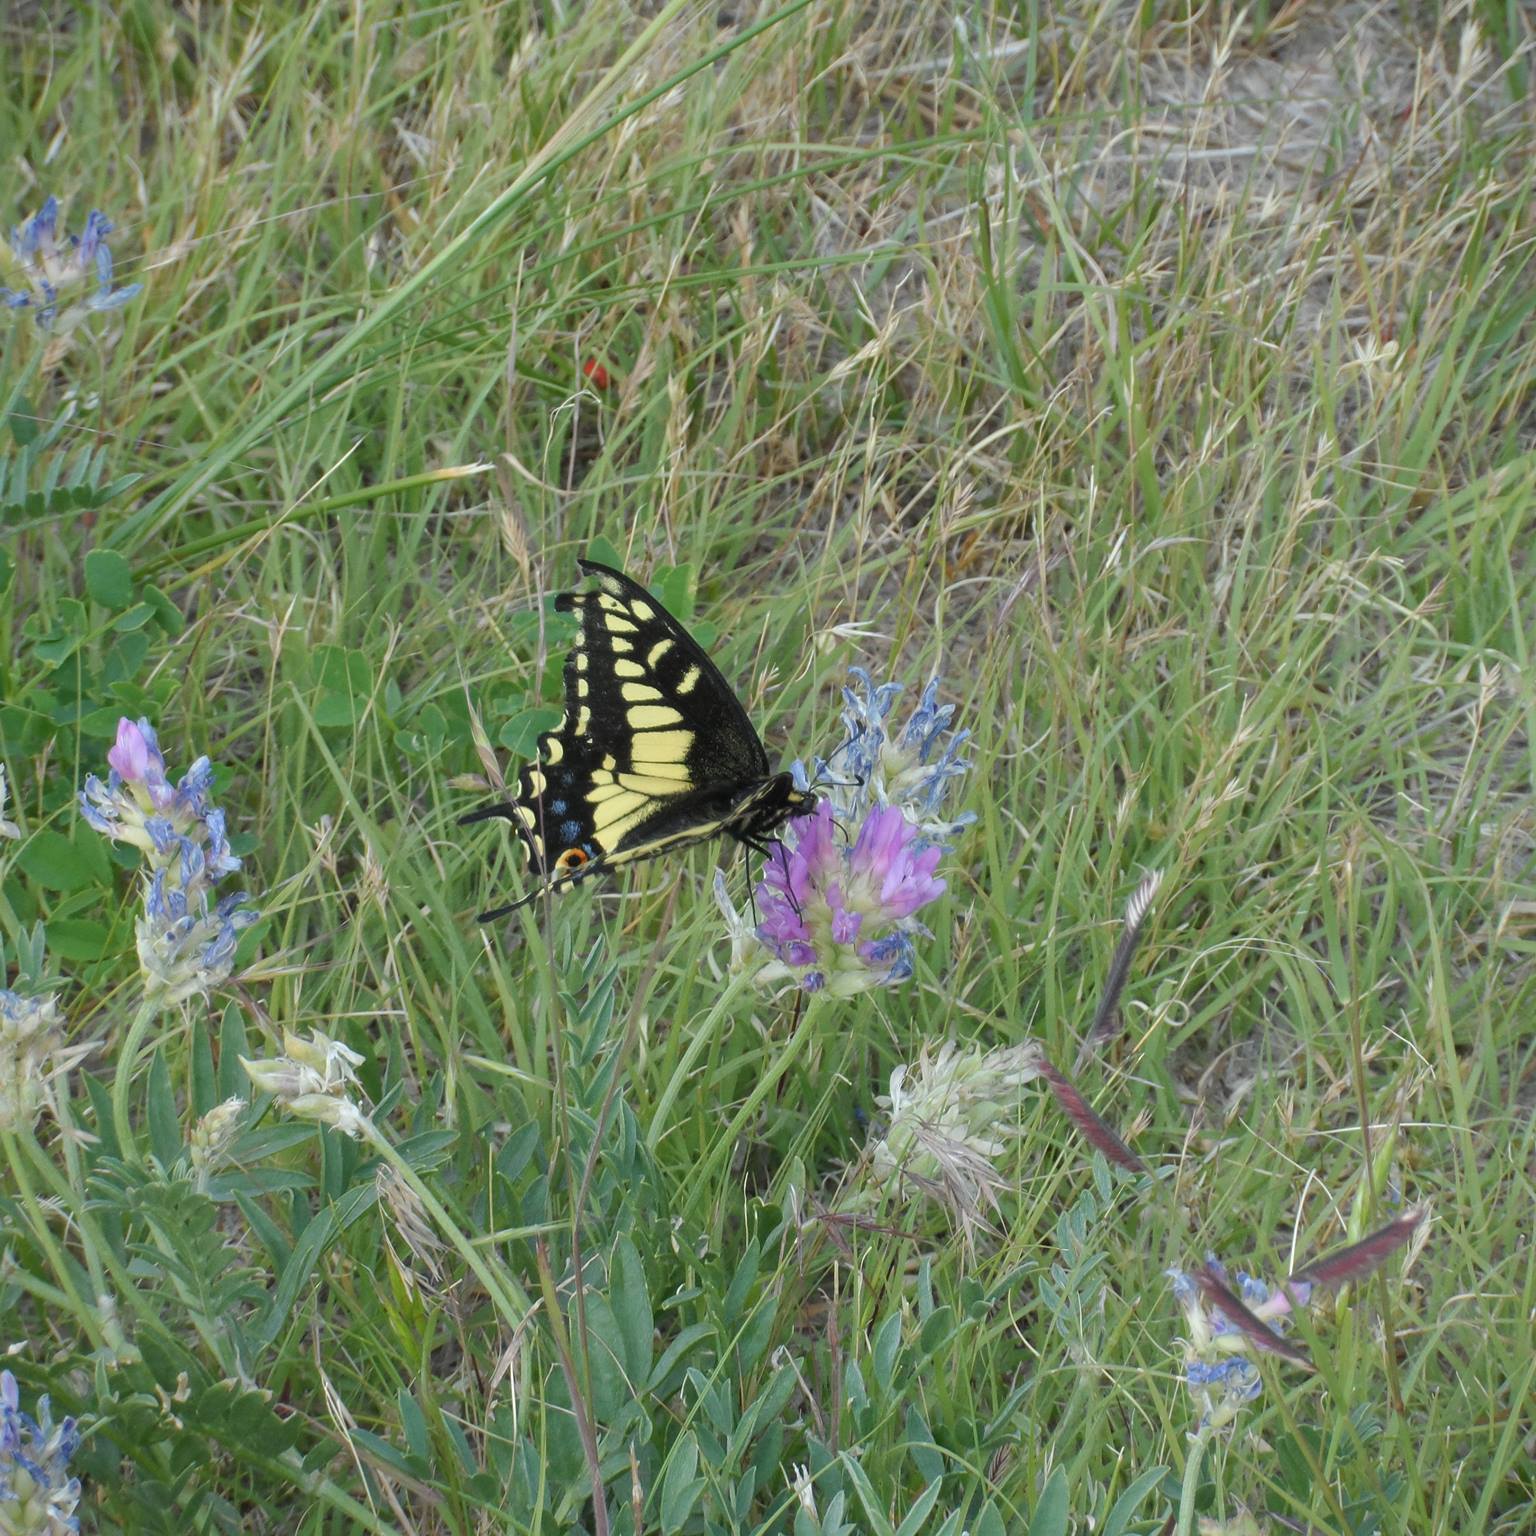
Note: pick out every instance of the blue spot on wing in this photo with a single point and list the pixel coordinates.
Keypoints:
(557, 807)
(570, 831)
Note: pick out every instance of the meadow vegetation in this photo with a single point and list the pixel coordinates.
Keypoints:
(1159, 377)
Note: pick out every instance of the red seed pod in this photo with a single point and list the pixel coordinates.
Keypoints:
(596, 374)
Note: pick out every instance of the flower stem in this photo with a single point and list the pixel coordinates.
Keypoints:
(782, 1062)
(700, 1039)
(37, 1218)
(122, 1079)
(1191, 1483)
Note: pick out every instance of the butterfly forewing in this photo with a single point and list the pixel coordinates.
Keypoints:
(654, 750)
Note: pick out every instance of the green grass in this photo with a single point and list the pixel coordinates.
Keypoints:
(1168, 389)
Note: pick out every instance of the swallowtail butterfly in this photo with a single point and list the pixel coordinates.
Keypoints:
(654, 752)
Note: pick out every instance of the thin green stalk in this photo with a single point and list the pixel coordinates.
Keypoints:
(695, 1048)
(786, 1058)
(82, 1306)
(182, 555)
(122, 1079)
(1191, 1483)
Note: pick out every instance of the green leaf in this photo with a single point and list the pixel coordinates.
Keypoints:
(204, 1094)
(887, 1347)
(78, 938)
(164, 1129)
(380, 1449)
(58, 646)
(1125, 1507)
(661, 1382)
(520, 734)
(134, 618)
(632, 1308)
(338, 709)
(604, 553)
(317, 1237)
(920, 1510)
(22, 423)
(413, 1423)
(1050, 1516)
(57, 864)
(109, 578)
(7, 571)
(926, 1456)
(167, 614)
(680, 1488)
(673, 584)
(233, 1083)
(741, 1284)
(605, 1343)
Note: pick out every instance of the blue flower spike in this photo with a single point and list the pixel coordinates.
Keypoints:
(187, 934)
(49, 269)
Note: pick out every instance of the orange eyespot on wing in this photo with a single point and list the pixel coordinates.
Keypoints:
(572, 858)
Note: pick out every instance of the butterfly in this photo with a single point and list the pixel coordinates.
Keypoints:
(654, 751)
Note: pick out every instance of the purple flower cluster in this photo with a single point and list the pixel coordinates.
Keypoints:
(840, 894)
(186, 937)
(840, 916)
(37, 1495)
(52, 266)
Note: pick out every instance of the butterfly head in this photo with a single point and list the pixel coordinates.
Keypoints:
(767, 806)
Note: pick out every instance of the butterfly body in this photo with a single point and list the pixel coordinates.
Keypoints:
(654, 752)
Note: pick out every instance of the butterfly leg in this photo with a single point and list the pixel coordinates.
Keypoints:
(770, 850)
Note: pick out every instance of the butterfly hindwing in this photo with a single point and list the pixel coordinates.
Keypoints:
(654, 750)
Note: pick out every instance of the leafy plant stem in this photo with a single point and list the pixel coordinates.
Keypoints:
(122, 1079)
(1191, 1483)
(696, 1046)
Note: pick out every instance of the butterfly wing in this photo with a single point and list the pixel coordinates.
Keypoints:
(654, 750)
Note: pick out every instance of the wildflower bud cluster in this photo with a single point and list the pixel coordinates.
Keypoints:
(48, 268)
(31, 1040)
(311, 1079)
(37, 1495)
(187, 934)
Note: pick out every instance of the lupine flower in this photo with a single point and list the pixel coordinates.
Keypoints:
(311, 1080)
(913, 767)
(840, 916)
(7, 828)
(37, 1496)
(1226, 1326)
(31, 1054)
(187, 935)
(949, 1120)
(51, 268)
(838, 907)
